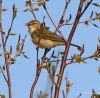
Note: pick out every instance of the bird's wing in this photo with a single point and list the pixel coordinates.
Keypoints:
(49, 35)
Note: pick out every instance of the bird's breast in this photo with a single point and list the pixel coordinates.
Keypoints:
(45, 43)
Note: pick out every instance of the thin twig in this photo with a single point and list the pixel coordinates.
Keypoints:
(3, 75)
(63, 94)
(37, 54)
(81, 21)
(79, 95)
(23, 43)
(55, 60)
(44, 6)
(62, 17)
(53, 73)
(82, 14)
(83, 59)
(31, 7)
(36, 77)
(9, 31)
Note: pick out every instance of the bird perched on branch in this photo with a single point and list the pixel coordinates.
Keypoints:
(42, 36)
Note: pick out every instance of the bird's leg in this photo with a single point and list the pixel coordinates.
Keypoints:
(37, 48)
(45, 52)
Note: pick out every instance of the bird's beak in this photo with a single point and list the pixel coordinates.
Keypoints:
(26, 24)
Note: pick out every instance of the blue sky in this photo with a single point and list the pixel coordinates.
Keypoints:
(83, 76)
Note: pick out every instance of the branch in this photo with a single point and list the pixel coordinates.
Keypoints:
(60, 22)
(44, 6)
(63, 63)
(37, 75)
(3, 75)
(81, 21)
(9, 31)
(85, 58)
(82, 14)
(5, 56)
(30, 3)
(34, 84)
(10, 28)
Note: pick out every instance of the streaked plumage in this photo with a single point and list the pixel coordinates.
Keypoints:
(42, 36)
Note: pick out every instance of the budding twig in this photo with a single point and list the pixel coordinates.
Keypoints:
(13, 17)
(31, 7)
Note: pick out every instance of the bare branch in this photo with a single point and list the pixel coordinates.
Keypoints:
(9, 31)
(62, 17)
(38, 71)
(3, 75)
(63, 94)
(44, 6)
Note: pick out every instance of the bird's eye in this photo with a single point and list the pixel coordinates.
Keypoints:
(33, 23)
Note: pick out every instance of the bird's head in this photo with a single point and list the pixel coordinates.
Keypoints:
(33, 25)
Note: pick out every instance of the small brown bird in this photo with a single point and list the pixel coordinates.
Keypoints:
(42, 36)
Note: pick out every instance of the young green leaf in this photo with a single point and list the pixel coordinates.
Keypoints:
(59, 75)
(25, 10)
(95, 25)
(91, 15)
(99, 39)
(39, 67)
(83, 0)
(36, 9)
(99, 70)
(95, 4)
(7, 53)
(41, 4)
(4, 9)
(86, 23)
(26, 56)
(3, 96)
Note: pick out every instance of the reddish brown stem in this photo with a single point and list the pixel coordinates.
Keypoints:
(63, 63)
(36, 78)
(5, 56)
(34, 84)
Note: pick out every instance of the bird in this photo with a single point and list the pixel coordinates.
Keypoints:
(42, 37)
